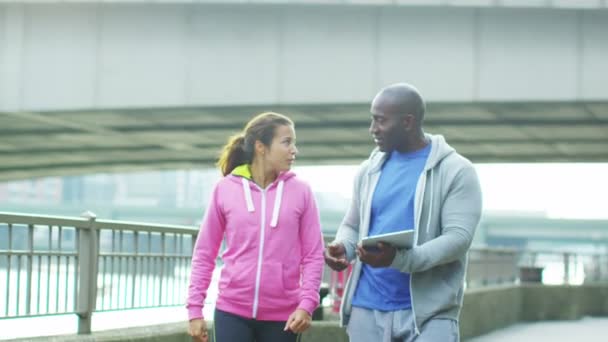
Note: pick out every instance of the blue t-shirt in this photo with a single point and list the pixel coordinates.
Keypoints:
(387, 289)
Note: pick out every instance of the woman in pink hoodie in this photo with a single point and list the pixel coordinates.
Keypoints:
(273, 261)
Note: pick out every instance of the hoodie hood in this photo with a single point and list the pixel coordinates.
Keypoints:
(242, 173)
(439, 150)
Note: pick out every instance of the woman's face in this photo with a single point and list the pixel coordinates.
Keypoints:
(282, 151)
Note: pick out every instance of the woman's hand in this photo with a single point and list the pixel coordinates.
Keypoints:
(198, 330)
(298, 321)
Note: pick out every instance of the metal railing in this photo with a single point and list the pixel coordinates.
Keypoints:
(490, 266)
(59, 265)
(64, 265)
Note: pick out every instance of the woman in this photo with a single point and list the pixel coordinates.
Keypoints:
(273, 261)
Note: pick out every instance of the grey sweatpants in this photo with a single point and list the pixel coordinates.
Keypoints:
(397, 326)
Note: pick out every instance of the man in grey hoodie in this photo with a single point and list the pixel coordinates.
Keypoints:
(412, 180)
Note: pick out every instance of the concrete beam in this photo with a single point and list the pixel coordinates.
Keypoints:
(579, 4)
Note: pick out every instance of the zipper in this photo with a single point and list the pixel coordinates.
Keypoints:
(416, 331)
(258, 275)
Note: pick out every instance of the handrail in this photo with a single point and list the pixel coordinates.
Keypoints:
(22, 218)
(146, 227)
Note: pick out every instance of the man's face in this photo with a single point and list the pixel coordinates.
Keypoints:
(387, 127)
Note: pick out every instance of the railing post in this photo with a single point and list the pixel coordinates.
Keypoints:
(533, 259)
(604, 268)
(87, 264)
(30, 262)
(566, 268)
(595, 262)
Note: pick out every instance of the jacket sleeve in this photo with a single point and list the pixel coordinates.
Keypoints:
(348, 231)
(204, 255)
(311, 241)
(460, 215)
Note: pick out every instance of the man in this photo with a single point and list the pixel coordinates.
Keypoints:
(412, 180)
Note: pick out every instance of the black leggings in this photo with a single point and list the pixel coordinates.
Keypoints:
(228, 327)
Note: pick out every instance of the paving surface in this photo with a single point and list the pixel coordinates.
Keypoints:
(588, 329)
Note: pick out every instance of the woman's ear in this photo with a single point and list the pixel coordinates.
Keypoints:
(260, 148)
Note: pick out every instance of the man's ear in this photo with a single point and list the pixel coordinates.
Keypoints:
(409, 122)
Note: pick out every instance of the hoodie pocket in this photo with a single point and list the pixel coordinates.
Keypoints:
(291, 278)
(225, 278)
(278, 288)
(237, 282)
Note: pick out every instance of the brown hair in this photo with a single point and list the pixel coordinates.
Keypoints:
(240, 147)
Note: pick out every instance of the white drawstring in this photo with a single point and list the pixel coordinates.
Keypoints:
(277, 205)
(277, 201)
(428, 221)
(247, 192)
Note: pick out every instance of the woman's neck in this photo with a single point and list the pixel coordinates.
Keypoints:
(261, 176)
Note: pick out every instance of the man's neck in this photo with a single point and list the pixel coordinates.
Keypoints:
(414, 144)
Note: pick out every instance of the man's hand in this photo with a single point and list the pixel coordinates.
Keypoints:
(382, 257)
(335, 256)
(198, 330)
(298, 321)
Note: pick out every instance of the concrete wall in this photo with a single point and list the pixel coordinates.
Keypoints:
(541, 303)
(488, 309)
(108, 55)
(484, 310)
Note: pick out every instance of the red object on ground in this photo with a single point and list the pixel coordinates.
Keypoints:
(336, 287)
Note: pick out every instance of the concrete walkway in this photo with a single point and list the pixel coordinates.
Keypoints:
(588, 329)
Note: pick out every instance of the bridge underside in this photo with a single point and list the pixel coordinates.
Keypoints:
(35, 144)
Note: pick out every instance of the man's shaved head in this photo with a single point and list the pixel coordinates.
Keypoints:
(397, 114)
(402, 98)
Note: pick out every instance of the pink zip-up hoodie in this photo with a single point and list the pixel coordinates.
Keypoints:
(273, 261)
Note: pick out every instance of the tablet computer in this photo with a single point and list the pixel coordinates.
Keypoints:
(400, 239)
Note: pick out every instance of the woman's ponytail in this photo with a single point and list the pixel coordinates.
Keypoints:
(233, 154)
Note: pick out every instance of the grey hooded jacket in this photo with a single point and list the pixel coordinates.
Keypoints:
(447, 209)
